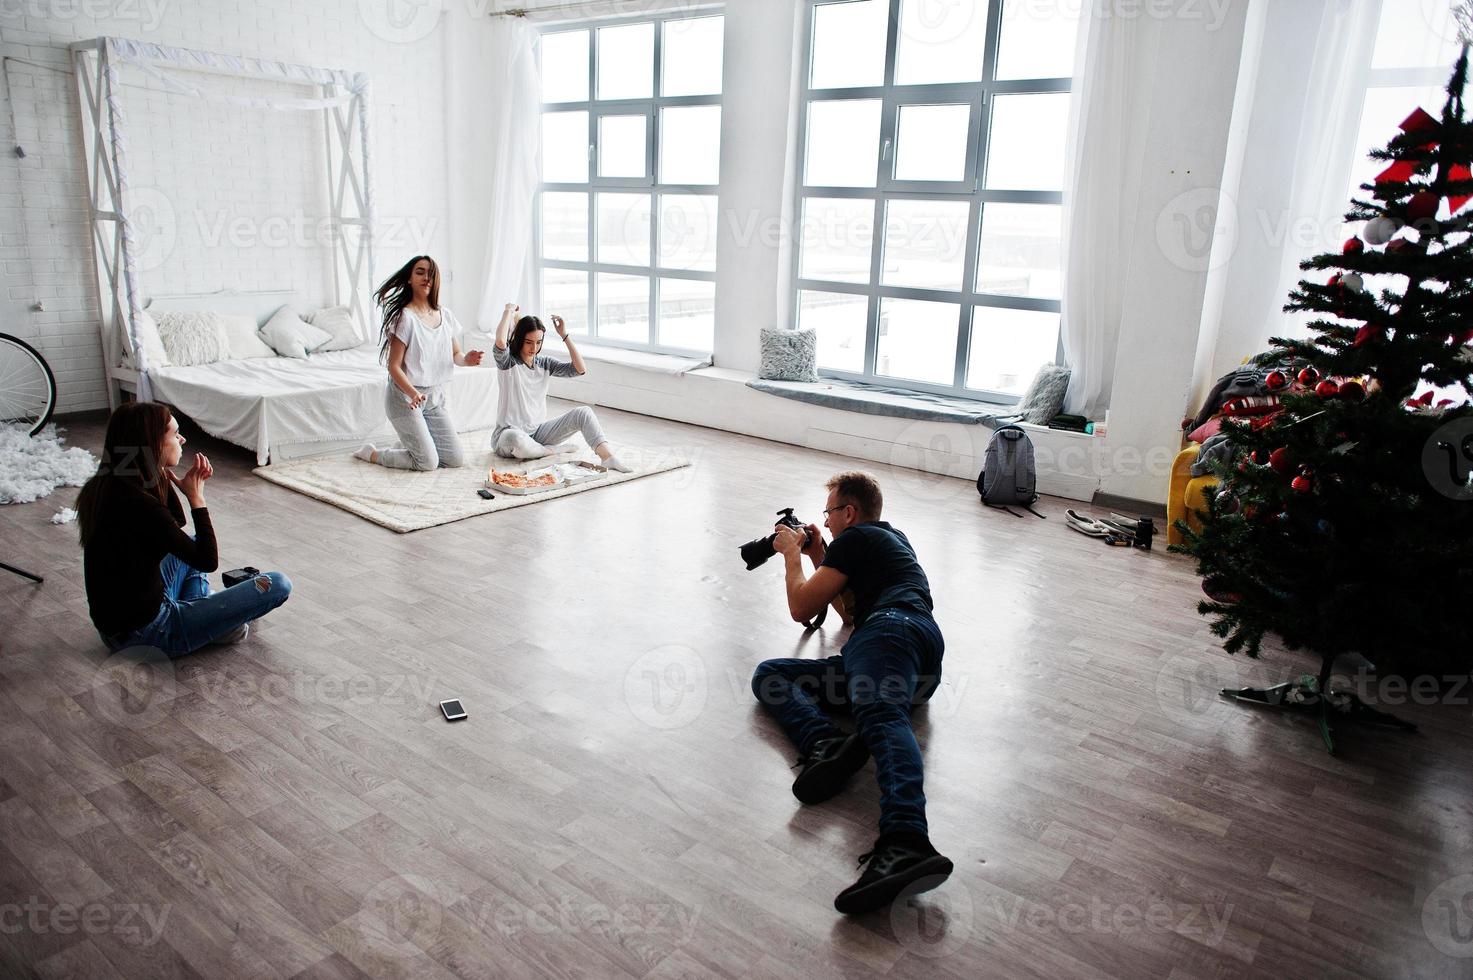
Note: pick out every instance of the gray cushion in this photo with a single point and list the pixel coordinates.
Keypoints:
(789, 355)
(1045, 395)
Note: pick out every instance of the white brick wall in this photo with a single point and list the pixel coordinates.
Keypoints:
(226, 197)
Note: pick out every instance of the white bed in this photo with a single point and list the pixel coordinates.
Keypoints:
(285, 407)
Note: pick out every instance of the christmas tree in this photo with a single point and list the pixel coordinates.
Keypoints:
(1344, 521)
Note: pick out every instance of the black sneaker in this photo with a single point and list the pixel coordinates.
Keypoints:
(829, 767)
(910, 867)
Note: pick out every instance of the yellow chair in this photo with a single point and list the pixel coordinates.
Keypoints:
(1187, 494)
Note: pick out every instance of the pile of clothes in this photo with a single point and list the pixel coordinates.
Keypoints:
(1252, 390)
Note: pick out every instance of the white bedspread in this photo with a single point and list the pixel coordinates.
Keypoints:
(267, 403)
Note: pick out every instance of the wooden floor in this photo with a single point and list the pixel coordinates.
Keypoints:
(617, 805)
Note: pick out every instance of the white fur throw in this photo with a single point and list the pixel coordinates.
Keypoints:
(193, 338)
(1045, 395)
(33, 466)
(789, 355)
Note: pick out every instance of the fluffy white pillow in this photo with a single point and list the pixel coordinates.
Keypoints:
(193, 338)
(240, 334)
(337, 321)
(151, 342)
(291, 336)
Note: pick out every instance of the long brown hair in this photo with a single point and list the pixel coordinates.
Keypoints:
(519, 333)
(395, 294)
(132, 450)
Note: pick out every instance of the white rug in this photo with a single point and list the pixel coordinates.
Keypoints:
(408, 500)
(33, 466)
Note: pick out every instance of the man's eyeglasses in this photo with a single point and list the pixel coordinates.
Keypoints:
(826, 513)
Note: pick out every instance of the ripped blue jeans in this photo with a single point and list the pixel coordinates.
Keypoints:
(191, 616)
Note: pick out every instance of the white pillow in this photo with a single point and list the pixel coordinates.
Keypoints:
(151, 342)
(291, 336)
(240, 335)
(193, 338)
(337, 321)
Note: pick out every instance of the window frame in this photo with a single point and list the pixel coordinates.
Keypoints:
(981, 97)
(650, 184)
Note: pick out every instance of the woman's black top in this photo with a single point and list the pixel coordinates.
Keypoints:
(121, 561)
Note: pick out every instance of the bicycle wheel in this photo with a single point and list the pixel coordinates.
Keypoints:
(27, 386)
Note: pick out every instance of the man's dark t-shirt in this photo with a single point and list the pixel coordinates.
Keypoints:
(882, 570)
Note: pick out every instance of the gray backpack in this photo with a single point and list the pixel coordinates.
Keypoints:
(1008, 478)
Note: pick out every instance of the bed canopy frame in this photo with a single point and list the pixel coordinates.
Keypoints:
(343, 101)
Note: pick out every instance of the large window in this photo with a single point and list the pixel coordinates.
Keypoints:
(932, 184)
(631, 151)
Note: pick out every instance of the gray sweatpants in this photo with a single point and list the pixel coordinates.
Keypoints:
(515, 443)
(426, 434)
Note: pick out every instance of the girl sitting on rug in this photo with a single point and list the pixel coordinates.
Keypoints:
(421, 346)
(521, 432)
(145, 577)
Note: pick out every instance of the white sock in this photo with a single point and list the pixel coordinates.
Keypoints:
(614, 463)
(365, 452)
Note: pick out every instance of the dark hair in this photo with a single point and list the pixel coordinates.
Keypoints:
(861, 490)
(395, 294)
(519, 333)
(132, 450)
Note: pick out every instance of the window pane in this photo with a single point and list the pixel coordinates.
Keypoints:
(1020, 250)
(1423, 36)
(621, 146)
(565, 292)
(843, 142)
(565, 226)
(931, 142)
(838, 236)
(688, 231)
(692, 53)
(940, 42)
(1037, 39)
(1009, 346)
(1026, 147)
(687, 314)
(565, 147)
(1384, 110)
(849, 44)
(917, 340)
(839, 320)
(925, 244)
(690, 145)
(565, 67)
(626, 61)
(624, 229)
(624, 307)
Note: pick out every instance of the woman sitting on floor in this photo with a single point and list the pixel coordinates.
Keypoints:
(421, 346)
(145, 577)
(521, 432)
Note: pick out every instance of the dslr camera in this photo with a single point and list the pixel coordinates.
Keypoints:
(756, 552)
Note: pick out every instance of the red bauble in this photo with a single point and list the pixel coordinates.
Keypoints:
(1400, 245)
(1259, 457)
(1279, 460)
(1423, 205)
(1366, 335)
(1353, 246)
(1309, 377)
(1276, 380)
(1327, 389)
(1302, 483)
(1353, 391)
(1333, 280)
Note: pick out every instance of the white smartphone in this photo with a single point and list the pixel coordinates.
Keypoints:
(453, 709)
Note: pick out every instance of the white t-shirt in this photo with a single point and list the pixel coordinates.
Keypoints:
(521, 397)
(429, 354)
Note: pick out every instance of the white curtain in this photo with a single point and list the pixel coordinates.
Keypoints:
(510, 113)
(1114, 64)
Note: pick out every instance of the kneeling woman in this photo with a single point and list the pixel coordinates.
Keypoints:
(421, 347)
(523, 430)
(145, 577)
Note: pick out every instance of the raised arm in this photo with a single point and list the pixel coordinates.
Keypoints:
(503, 328)
(573, 355)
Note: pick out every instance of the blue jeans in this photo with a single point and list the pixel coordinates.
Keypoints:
(191, 616)
(889, 665)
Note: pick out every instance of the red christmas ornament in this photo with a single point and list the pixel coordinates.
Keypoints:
(1302, 483)
(1276, 380)
(1366, 335)
(1459, 172)
(1423, 205)
(1420, 121)
(1353, 246)
(1353, 391)
(1327, 389)
(1400, 245)
(1309, 377)
(1259, 457)
(1398, 173)
(1334, 280)
(1279, 460)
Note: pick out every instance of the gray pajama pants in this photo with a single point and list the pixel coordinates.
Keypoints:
(514, 443)
(426, 434)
